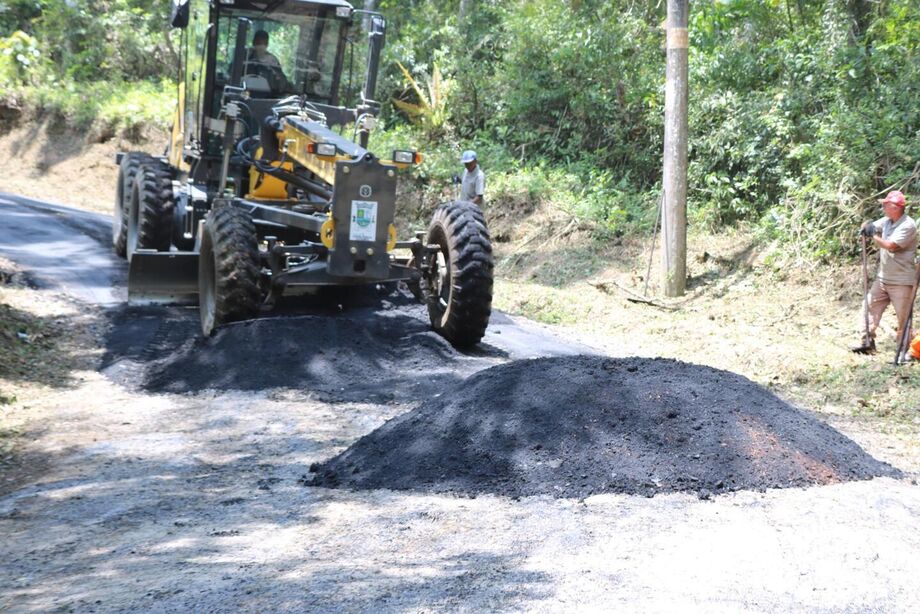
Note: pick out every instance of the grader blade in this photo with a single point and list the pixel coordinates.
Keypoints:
(163, 278)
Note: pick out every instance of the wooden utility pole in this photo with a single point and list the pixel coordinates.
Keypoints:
(466, 9)
(369, 5)
(674, 215)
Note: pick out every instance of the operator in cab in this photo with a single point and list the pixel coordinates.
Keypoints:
(262, 63)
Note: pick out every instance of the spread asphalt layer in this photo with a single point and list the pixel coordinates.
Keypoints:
(365, 355)
(62, 248)
(364, 346)
(586, 425)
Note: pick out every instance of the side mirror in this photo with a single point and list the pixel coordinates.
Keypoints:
(178, 17)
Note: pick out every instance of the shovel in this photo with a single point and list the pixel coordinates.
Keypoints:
(866, 347)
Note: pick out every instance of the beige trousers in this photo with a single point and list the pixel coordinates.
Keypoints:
(880, 295)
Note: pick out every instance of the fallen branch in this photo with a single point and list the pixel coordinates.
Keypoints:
(604, 286)
(897, 185)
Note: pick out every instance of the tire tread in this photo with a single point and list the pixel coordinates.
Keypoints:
(466, 317)
(236, 256)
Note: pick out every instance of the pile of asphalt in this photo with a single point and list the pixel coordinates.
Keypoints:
(584, 425)
(365, 356)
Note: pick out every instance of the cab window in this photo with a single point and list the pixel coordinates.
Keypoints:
(287, 53)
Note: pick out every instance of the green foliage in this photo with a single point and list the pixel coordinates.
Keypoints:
(582, 84)
(430, 110)
(19, 58)
(102, 63)
(800, 112)
(87, 40)
(798, 123)
(579, 188)
(107, 106)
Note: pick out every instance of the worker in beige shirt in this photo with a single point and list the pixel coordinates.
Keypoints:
(895, 235)
(473, 183)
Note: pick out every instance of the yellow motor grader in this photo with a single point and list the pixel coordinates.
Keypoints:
(259, 193)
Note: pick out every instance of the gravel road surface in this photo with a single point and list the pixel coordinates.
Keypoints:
(178, 478)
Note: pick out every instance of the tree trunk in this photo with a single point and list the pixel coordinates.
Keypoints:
(860, 13)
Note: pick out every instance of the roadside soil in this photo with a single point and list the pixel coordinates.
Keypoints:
(49, 162)
(152, 473)
(47, 344)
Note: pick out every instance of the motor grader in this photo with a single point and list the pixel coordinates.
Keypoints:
(267, 187)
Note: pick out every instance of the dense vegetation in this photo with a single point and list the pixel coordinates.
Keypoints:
(801, 110)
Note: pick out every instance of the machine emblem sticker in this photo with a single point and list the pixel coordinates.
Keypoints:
(365, 191)
(363, 221)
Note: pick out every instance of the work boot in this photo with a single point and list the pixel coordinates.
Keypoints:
(866, 347)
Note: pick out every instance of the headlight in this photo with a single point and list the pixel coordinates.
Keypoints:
(343, 11)
(406, 157)
(327, 150)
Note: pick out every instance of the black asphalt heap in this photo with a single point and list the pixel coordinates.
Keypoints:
(584, 425)
(368, 356)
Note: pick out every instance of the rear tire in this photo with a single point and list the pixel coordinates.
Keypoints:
(127, 171)
(457, 283)
(150, 210)
(228, 269)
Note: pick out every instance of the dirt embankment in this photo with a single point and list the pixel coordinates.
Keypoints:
(50, 162)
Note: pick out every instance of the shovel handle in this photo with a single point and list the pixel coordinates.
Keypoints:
(865, 268)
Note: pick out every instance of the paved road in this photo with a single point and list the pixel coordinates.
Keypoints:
(63, 248)
(195, 501)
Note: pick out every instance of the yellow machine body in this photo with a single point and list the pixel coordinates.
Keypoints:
(265, 187)
(177, 138)
(298, 144)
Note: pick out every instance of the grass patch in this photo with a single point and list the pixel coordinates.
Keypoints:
(103, 106)
(874, 389)
(8, 438)
(24, 342)
(567, 265)
(546, 305)
(32, 343)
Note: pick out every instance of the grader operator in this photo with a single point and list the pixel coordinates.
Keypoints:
(260, 193)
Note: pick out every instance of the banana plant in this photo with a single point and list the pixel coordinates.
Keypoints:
(430, 112)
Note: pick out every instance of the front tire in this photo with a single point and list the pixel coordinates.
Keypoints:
(150, 211)
(228, 269)
(457, 281)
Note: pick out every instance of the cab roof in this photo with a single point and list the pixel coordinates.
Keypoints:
(265, 3)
